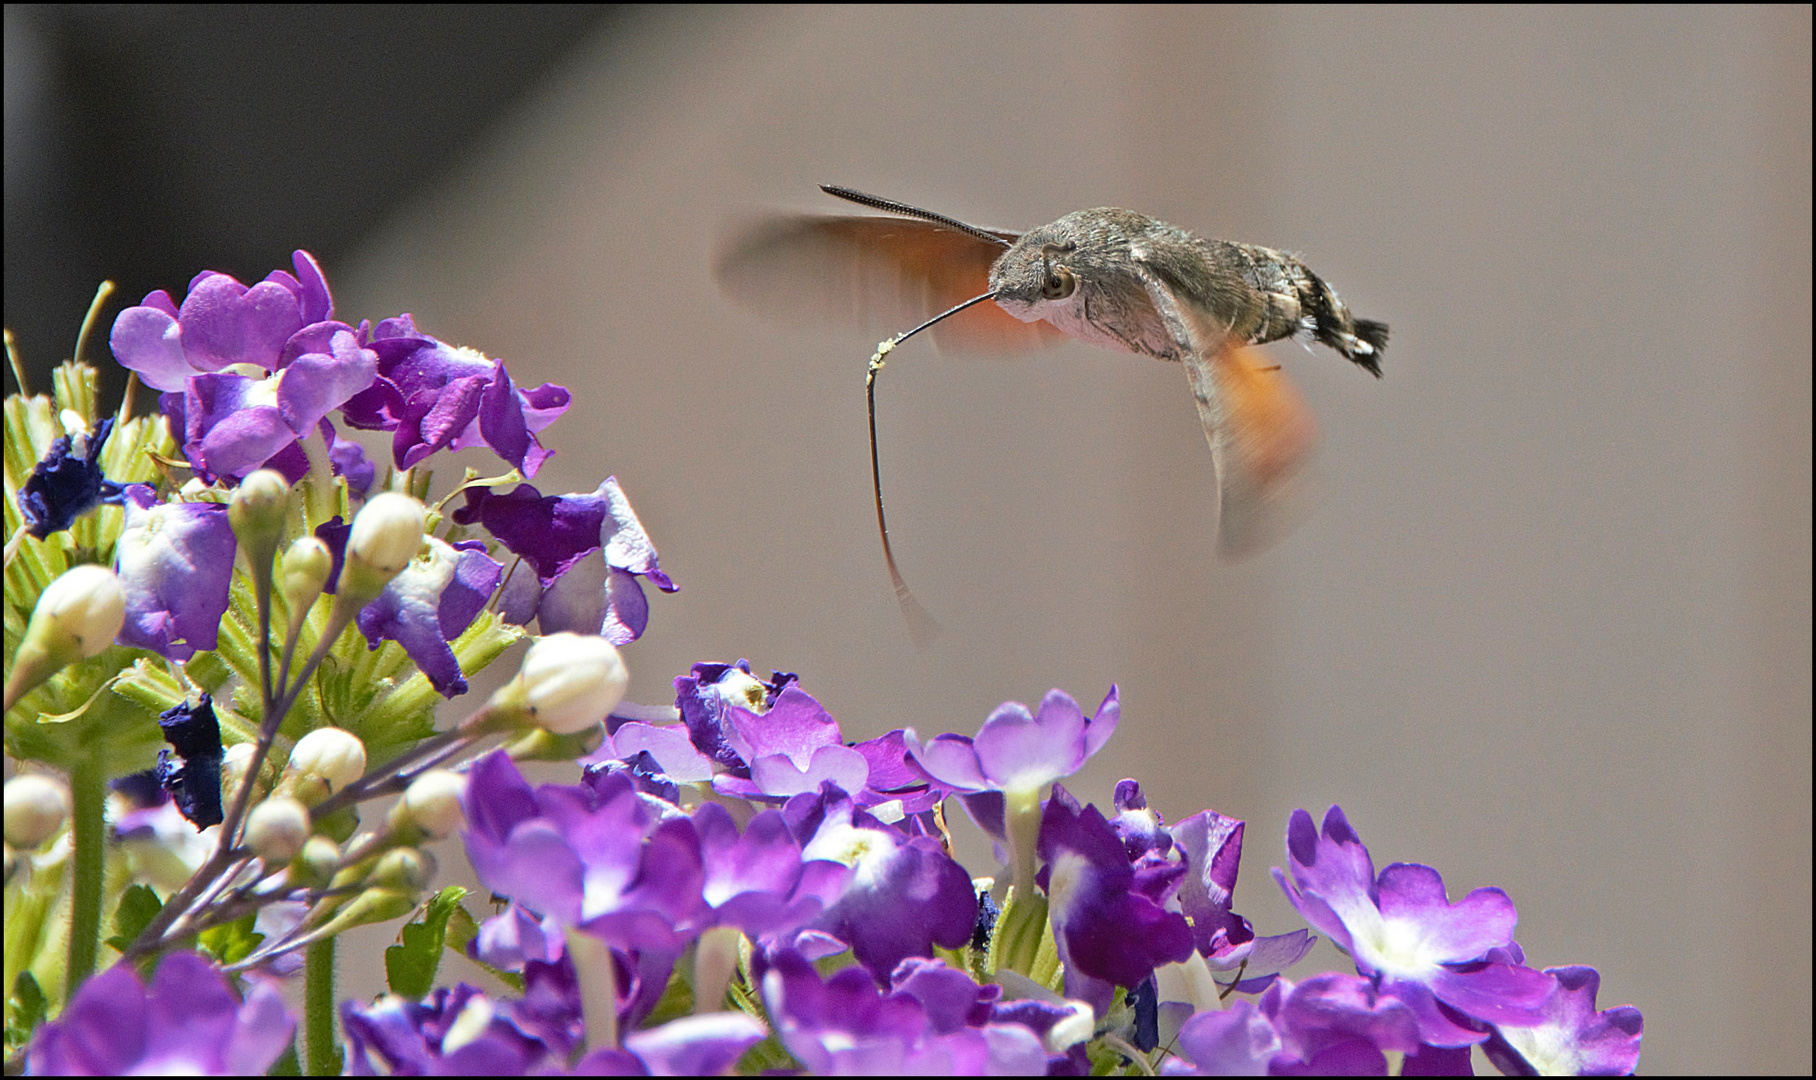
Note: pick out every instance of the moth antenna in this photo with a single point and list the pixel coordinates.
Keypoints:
(922, 627)
(877, 202)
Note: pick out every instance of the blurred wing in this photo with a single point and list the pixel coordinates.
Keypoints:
(1261, 433)
(884, 275)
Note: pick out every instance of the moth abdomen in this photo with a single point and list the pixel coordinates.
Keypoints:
(1359, 340)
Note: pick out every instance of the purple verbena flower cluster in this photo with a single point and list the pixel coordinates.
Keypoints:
(255, 377)
(867, 950)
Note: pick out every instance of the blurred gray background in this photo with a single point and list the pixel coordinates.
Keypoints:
(1548, 627)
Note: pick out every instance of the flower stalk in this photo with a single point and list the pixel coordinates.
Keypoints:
(88, 795)
(321, 1054)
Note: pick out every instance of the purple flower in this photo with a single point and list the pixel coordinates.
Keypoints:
(348, 459)
(704, 699)
(905, 895)
(1336, 1023)
(175, 563)
(220, 323)
(555, 535)
(1573, 1039)
(515, 936)
(574, 853)
(430, 603)
(758, 881)
(455, 1031)
(667, 745)
(66, 483)
(433, 396)
(1238, 1041)
(192, 774)
(1109, 917)
(189, 1021)
(1016, 751)
(893, 775)
(1212, 847)
(233, 424)
(1404, 933)
(705, 1045)
(845, 1025)
(598, 857)
(791, 749)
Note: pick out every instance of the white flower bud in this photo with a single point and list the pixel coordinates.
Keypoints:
(403, 868)
(316, 864)
(36, 806)
(259, 508)
(432, 804)
(387, 532)
(307, 564)
(277, 829)
(234, 763)
(568, 682)
(335, 756)
(77, 616)
(83, 608)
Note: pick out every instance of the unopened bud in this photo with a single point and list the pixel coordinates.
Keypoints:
(373, 905)
(77, 616)
(260, 509)
(314, 866)
(36, 806)
(82, 611)
(541, 744)
(277, 829)
(234, 763)
(431, 804)
(307, 564)
(322, 763)
(387, 532)
(403, 868)
(568, 682)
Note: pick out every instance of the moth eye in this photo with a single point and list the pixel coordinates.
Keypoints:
(1059, 284)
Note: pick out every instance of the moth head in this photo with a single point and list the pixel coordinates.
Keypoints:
(1032, 274)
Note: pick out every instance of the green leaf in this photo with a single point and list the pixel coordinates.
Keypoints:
(287, 1063)
(29, 1010)
(229, 943)
(677, 1001)
(765, 1058)
(410, 967)
(138, 906)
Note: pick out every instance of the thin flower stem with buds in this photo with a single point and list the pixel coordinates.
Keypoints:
(425, 754)
(154, 936)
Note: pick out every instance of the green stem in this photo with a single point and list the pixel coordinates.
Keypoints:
(321, 1057)
(88, 789)
(1021, 931)
(1021, 814)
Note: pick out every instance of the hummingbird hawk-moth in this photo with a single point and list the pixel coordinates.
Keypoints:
(1107, 276)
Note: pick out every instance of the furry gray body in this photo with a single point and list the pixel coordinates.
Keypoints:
(1254, 294)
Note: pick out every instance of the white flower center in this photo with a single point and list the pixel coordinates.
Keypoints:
(1397, 947)
(1546, 1047)
(864, 850)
